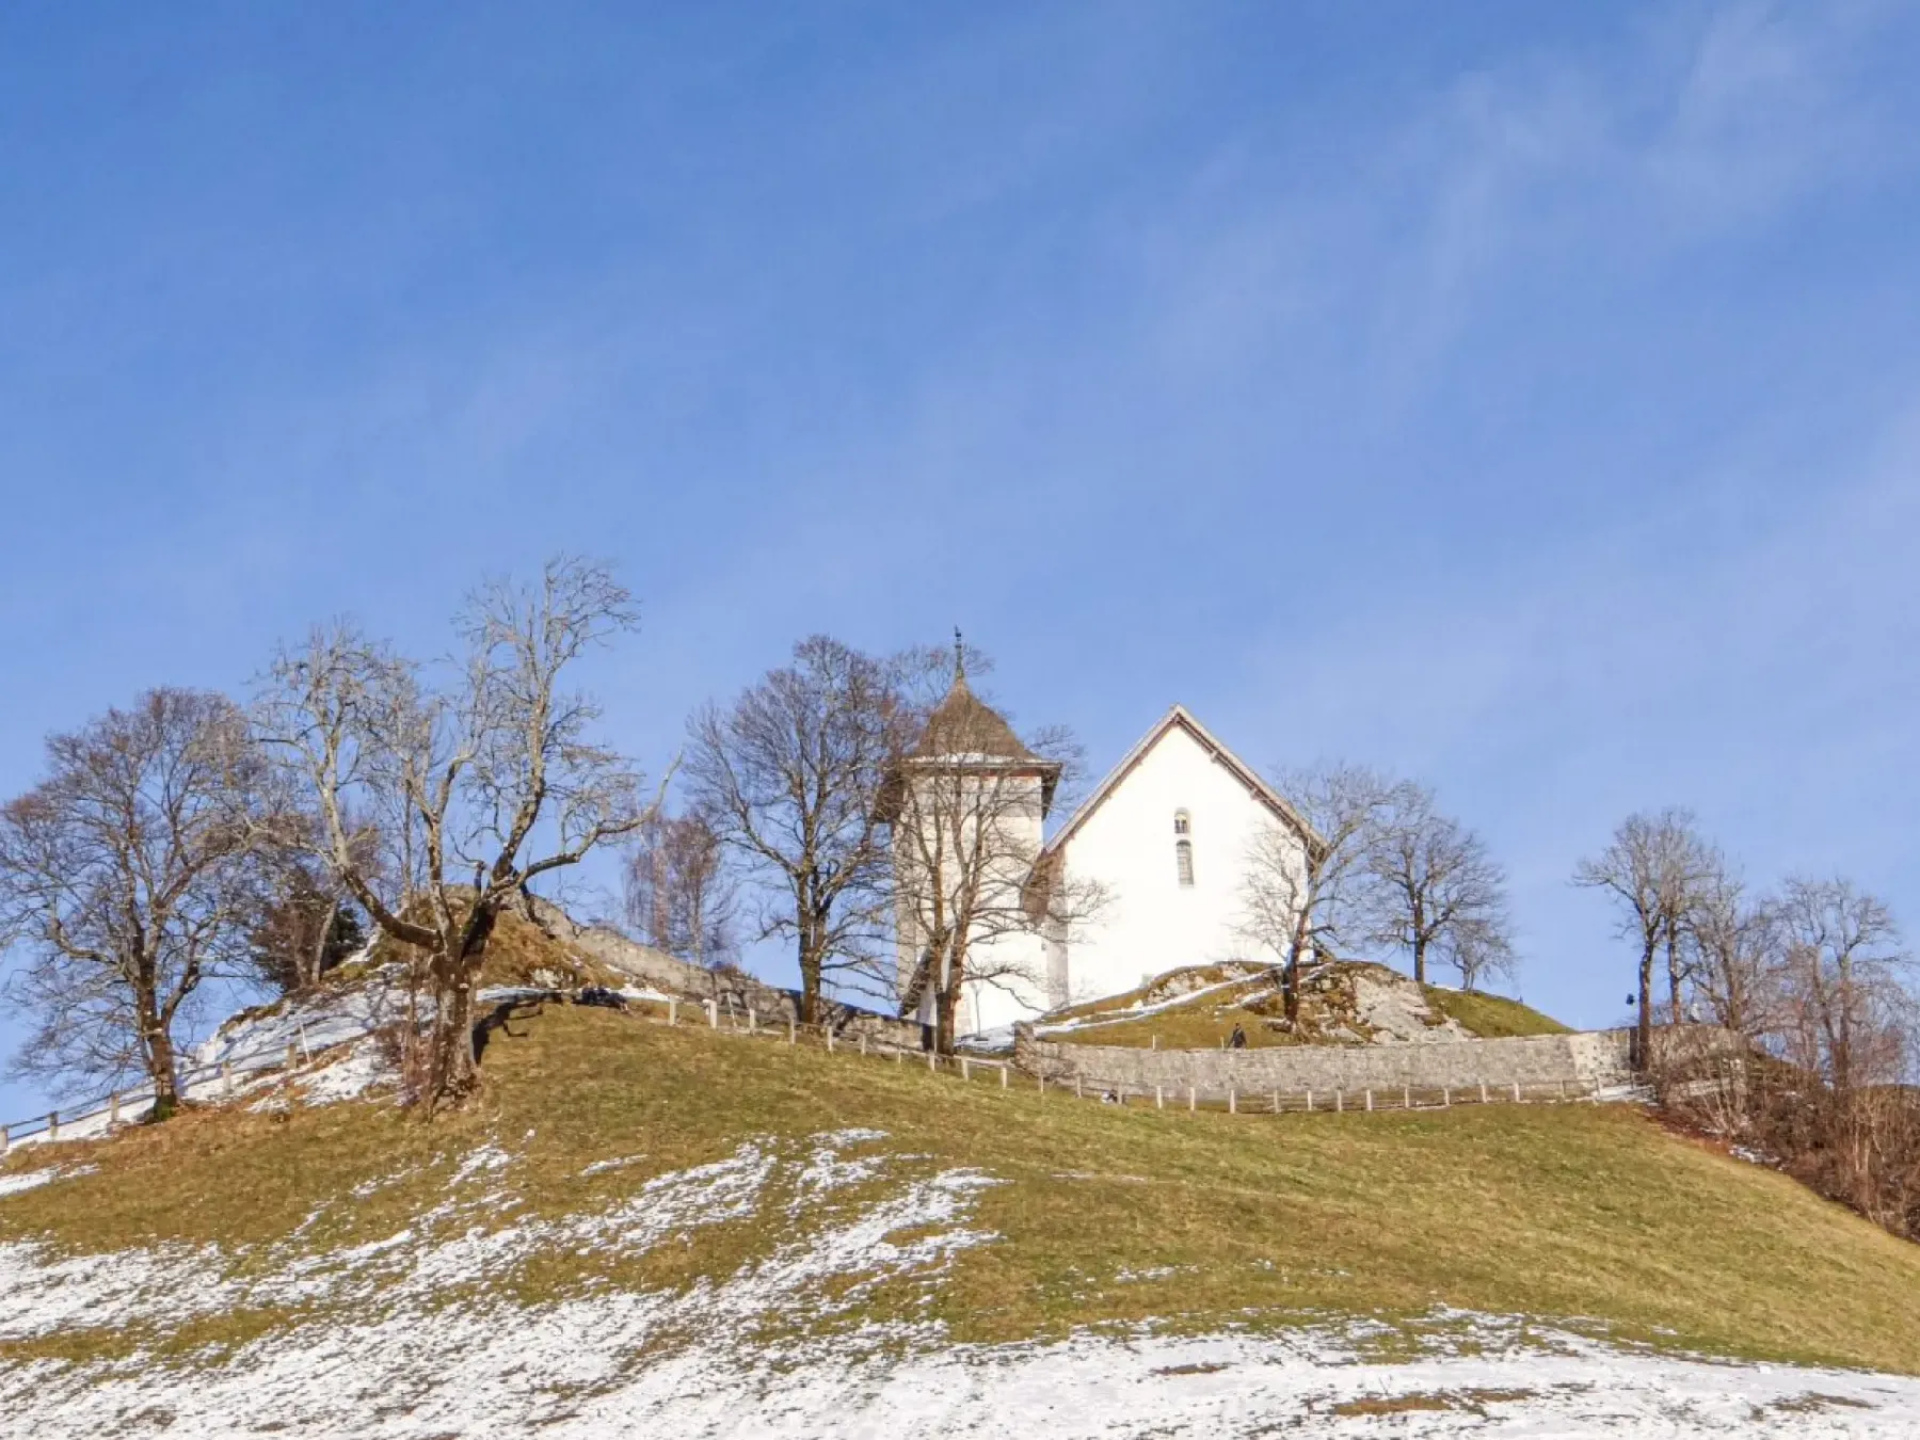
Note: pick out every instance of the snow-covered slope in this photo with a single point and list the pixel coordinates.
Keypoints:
(643, 1231)
(374, 1347)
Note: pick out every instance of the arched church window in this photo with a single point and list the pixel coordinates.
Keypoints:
(1183, 857)
(1180, 822)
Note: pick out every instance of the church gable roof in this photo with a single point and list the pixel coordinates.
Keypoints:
(1178, 718)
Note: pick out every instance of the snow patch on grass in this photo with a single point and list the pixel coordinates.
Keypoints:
(34, 1179)
(413, 1335)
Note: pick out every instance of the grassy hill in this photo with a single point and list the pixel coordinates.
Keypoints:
(1197, 1008)
(1491, 1017)
(1078, 1214)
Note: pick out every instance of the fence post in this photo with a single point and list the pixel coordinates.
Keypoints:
(1276, 1102)
(1309, 1102)
(1233, 1101)
(53, 1125)
(1406, 1097)
(1193, 1100)
(1483, 1092)
(933, 1061)
(1043, 1084)
(673, 1011)
(6, 1140)
(1369, 1099)
(293, 1055)
(226, 1077)
(1339, 1100)
(863, 1044)
(899, 1056)
(1159, 1098)
(113, 1108)
(753, 1022)
(713, 1013)
(1563, 1089)
(1003, 1075)
(966, 1069)
(829, 1039)
(1446, 1096)
(1077, 1093)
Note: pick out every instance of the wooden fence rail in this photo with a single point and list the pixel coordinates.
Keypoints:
(965, 1067)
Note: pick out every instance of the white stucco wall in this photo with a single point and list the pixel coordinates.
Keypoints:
(1016, 960)
(1151, 922)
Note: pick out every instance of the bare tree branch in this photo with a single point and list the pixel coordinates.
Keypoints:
(788, 777)
(1654, 868)
(439, 806)
(966, 808)
(679, 897)
(1435, 892)
(1303, 896)
(128, 877)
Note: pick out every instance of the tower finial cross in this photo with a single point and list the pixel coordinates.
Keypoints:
(959, 657)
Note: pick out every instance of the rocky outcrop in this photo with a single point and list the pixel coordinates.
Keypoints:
(733, 990)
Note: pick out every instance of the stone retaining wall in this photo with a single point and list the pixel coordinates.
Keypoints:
(734, 991)
(1584, 1062)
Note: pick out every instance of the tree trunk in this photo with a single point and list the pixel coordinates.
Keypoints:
(316, 958)
(1419, 959)
(1290, 977)
(946, 1012)
(156, 1044)
(453, 1073)
(949, 978)
(160, 1070)
(1843, 1051)
(1643, 1031)
(810, 960)
(1673, 970)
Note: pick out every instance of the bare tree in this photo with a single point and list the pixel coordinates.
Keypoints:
(471, 791)
(127, 878)
(1843, 960)
(1651, 867)
(966, 807)
(679, 896)
(1434, 890)
(788, 777)
(1734, 939)
(1308, 886)
(304, 927)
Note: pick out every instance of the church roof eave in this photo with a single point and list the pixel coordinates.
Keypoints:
(1179, 717)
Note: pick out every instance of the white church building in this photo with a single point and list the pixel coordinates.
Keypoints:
(1164, 839)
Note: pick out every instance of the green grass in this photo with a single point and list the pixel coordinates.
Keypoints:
(1204, 1026)
(1197, 976)
(1206, 1021)
(1553, 1211)
(1491, 1017)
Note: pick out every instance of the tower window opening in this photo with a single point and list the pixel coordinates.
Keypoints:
(1181, 822)
(1183, 859)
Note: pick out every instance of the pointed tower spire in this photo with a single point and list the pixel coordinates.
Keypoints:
(959, 658)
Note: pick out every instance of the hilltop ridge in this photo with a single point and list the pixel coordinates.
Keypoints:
(636, 1220)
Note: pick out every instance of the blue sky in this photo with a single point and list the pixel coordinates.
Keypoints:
(1521, 397)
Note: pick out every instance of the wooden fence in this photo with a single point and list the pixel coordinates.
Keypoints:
(965, 1067)
(119, 1105)
(1081, 1087)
